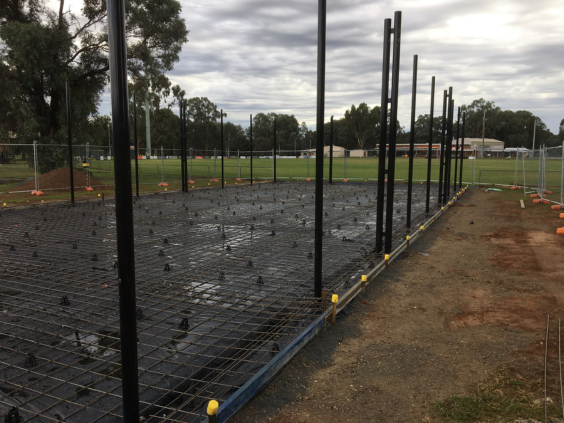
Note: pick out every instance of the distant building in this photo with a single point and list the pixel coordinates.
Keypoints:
(337, 151)
(358, 153)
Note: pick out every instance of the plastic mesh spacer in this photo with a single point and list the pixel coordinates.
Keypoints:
(334, 298)
(407, 238)
(364, 278)
(387, 257)
(212, 408)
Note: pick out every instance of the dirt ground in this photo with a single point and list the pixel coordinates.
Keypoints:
(59, 178)
(463, 326)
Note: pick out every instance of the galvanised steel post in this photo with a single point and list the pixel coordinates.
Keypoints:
(135, 146)
(462, 152)
(69, 134)
(331, 153)
(393, 133)
(456, 151)
(321, 32)
(274, 151)
(182, 151)
(442, 154)
(430, 150)
(384, 100)
(222, 176)
(251, 149)
(411, 143)
(124, 210)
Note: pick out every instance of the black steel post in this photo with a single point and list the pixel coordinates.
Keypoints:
(411, 143)
(448, 148)
(274, 155)
(321, 32)
(182, 151)
(124, 210)
(430, 150)
(222, 176)
(185, 140)
(384, 100)
(393, 133)
(135, 146)
(69, 134)
(442, 154)
(462, 151)
(331, 153)
(456, 152)
(251, 149)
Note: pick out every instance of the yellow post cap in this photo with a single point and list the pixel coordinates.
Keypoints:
(212, 408)
(4, 204)
(98, 195)
(334, 298)
(442, 208)
(422, 227)
(192, 186)
(407, 237)
(449, 203)
(364, 278)
(387, 257)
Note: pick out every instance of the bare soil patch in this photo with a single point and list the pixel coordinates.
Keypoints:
(462, 327)
(59, 179)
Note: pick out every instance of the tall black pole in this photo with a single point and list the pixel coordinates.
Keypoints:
(222, 179)
(274, 155)
(456, 152)
(251, 118)
(448, 148)
(135, 146)
(430, 150)
(331, 153)
(384, 100)
(393, 133)
(462, 150)
(124, 210)
(185, 140)
(69, 134)
(321, 31)
(411, 143)
(442, 154)
(182, 151)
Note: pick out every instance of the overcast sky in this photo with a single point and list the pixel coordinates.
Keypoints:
(251, 56)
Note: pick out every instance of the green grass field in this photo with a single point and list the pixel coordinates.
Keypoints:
(481, 171)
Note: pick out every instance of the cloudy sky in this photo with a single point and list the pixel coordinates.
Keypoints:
(251, 56)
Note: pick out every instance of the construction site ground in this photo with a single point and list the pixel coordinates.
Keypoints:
(455, 331)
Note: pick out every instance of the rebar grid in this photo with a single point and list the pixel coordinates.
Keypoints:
(224, 282)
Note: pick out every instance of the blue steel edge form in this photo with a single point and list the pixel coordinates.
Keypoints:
(263, 377)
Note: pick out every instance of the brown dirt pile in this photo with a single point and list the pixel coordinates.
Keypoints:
(59, 179)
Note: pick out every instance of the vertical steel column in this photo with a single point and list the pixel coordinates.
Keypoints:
(430, 150)
(462, 142)
(251, 149)
(456, 151)
(331, 153)
(274, 151)
(135, 146)
(411, 143)
(384, 100)
(393, 133)
(182, 151)
(222, 176)
(321, 31)
(69, 134)
(442, 155)
(448, 148)
(185, 137)
(124, 209)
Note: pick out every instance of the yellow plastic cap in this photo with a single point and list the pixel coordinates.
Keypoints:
(449, 203)
(4, 204)
(334, 298)
(98, 195)
(212, 408)
(387, 257)
(364, 278)
(442, 208)
(422, 227)
(407, 237)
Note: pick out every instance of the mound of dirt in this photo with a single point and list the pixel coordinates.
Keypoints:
(59, 179)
